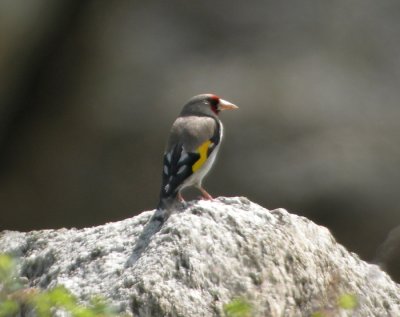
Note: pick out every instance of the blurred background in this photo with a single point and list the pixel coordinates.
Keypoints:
(89, 90)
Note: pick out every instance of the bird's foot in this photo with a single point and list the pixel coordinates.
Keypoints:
(180, 198)
(206, 195)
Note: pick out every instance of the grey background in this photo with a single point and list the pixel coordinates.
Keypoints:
(89, 89)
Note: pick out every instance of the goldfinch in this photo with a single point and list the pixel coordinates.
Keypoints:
(192, 147)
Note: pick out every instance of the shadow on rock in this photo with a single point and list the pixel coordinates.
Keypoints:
(151, 228)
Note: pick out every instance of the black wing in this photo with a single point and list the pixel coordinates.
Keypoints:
(177, 168)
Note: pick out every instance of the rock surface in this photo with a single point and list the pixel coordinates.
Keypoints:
(205, 255)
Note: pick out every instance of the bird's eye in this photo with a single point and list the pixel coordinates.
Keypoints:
(214, 101)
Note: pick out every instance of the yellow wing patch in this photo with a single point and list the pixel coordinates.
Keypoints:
(202, 150)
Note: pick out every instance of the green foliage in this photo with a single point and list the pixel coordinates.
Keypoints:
(8, 308)
(14, 297)
(238, 307)
(8, 280)
(60, 298)
(348, 301)
(345, 301)
(8, 284)
(318, 314)
(6, 267)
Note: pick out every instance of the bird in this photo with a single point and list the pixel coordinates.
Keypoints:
(192, 147)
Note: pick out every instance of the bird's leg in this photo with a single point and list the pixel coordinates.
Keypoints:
(205, 194)
(180, 198)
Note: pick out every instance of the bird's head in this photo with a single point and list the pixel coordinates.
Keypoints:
(206, 105)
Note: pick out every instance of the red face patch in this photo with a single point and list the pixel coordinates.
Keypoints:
(214, 101)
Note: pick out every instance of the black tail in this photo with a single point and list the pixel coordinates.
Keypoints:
(177, 167)
(166, 203)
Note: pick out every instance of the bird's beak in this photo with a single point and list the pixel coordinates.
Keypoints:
(226, 105)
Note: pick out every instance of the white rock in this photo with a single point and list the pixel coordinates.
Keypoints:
(202, 257)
